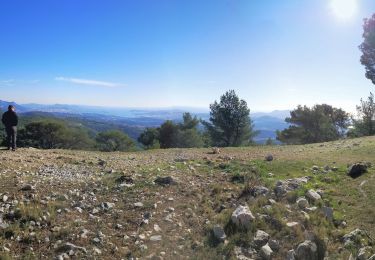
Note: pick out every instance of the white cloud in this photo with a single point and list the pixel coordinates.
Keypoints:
(8, 82)
(89, 82)
(14, 82)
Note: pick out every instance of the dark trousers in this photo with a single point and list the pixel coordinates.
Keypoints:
(11, 136)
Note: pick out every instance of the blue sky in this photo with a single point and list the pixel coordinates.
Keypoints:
(146, 53)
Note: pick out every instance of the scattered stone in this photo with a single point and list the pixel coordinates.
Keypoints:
(357, 169)
(165, 181)
(181, 159)
(266, 252)
(97, 251)
(27, 187)
(67, 247)
(102, 162)
(219, 233)
(261, 238)
(95, 210)
(292, 224)
(311, 209)
(106, 206)
(291, 255)
(157, 228)
(272, 201)
(242, 216)
(328, 212)
(3, 226)
(258, 191)
(353, 237)
(215, 150)
(274, 244)
(364, 253)
(156, 238)
(118, 226)
(84, 233)
(242, 253)
(302, 203)
(305, 215)
(138, 204)
(307, 251)
(96, 240)
(5, 198)
(147, 215)
(269, 157)
(125, 179)
(56, 229)
(313, 196)
(283, 187)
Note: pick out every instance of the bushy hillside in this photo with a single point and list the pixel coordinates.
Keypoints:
(189, 203)
(91, 123)
(134, 121)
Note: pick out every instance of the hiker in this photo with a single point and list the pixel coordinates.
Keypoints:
(10, 121)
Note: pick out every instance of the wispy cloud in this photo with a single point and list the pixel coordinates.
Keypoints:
(15, 82)
(90, 82)
(7, 82)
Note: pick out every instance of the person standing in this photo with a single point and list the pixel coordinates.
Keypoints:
(10, 121)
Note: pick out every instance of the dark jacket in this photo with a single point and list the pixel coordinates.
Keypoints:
(10, 119)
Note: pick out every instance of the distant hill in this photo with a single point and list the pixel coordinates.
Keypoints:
(4, 106)
(93, 123)
(267, 125)
(281, 114)
(134, 120)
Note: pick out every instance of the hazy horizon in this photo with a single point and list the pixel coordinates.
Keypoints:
(191, 109)
(275, 55)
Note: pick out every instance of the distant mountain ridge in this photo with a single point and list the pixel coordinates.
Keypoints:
(134, 120)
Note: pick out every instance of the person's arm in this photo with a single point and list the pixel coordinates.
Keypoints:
(16, 119)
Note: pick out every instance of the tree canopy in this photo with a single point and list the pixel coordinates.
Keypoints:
(230, 123)
(320, 123)
(368, 47)
(365, 124)
(150, 138)
(174, 135)
(114, 140)
(52, 134)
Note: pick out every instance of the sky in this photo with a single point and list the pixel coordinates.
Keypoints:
(147, 53)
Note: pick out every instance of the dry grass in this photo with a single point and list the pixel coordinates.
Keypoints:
(205, 195)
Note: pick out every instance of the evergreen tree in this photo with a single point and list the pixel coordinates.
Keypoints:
(230, 123)
(365, 126)
(320, 123)
(150, 138)
(171, 135)
(114, 140)
(52, 134)
(46, 134)
(188, 135)
(168, 135)
(368, 47)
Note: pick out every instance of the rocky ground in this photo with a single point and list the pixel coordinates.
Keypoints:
(277, 202)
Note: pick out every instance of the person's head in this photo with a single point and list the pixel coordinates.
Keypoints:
(11, 108)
